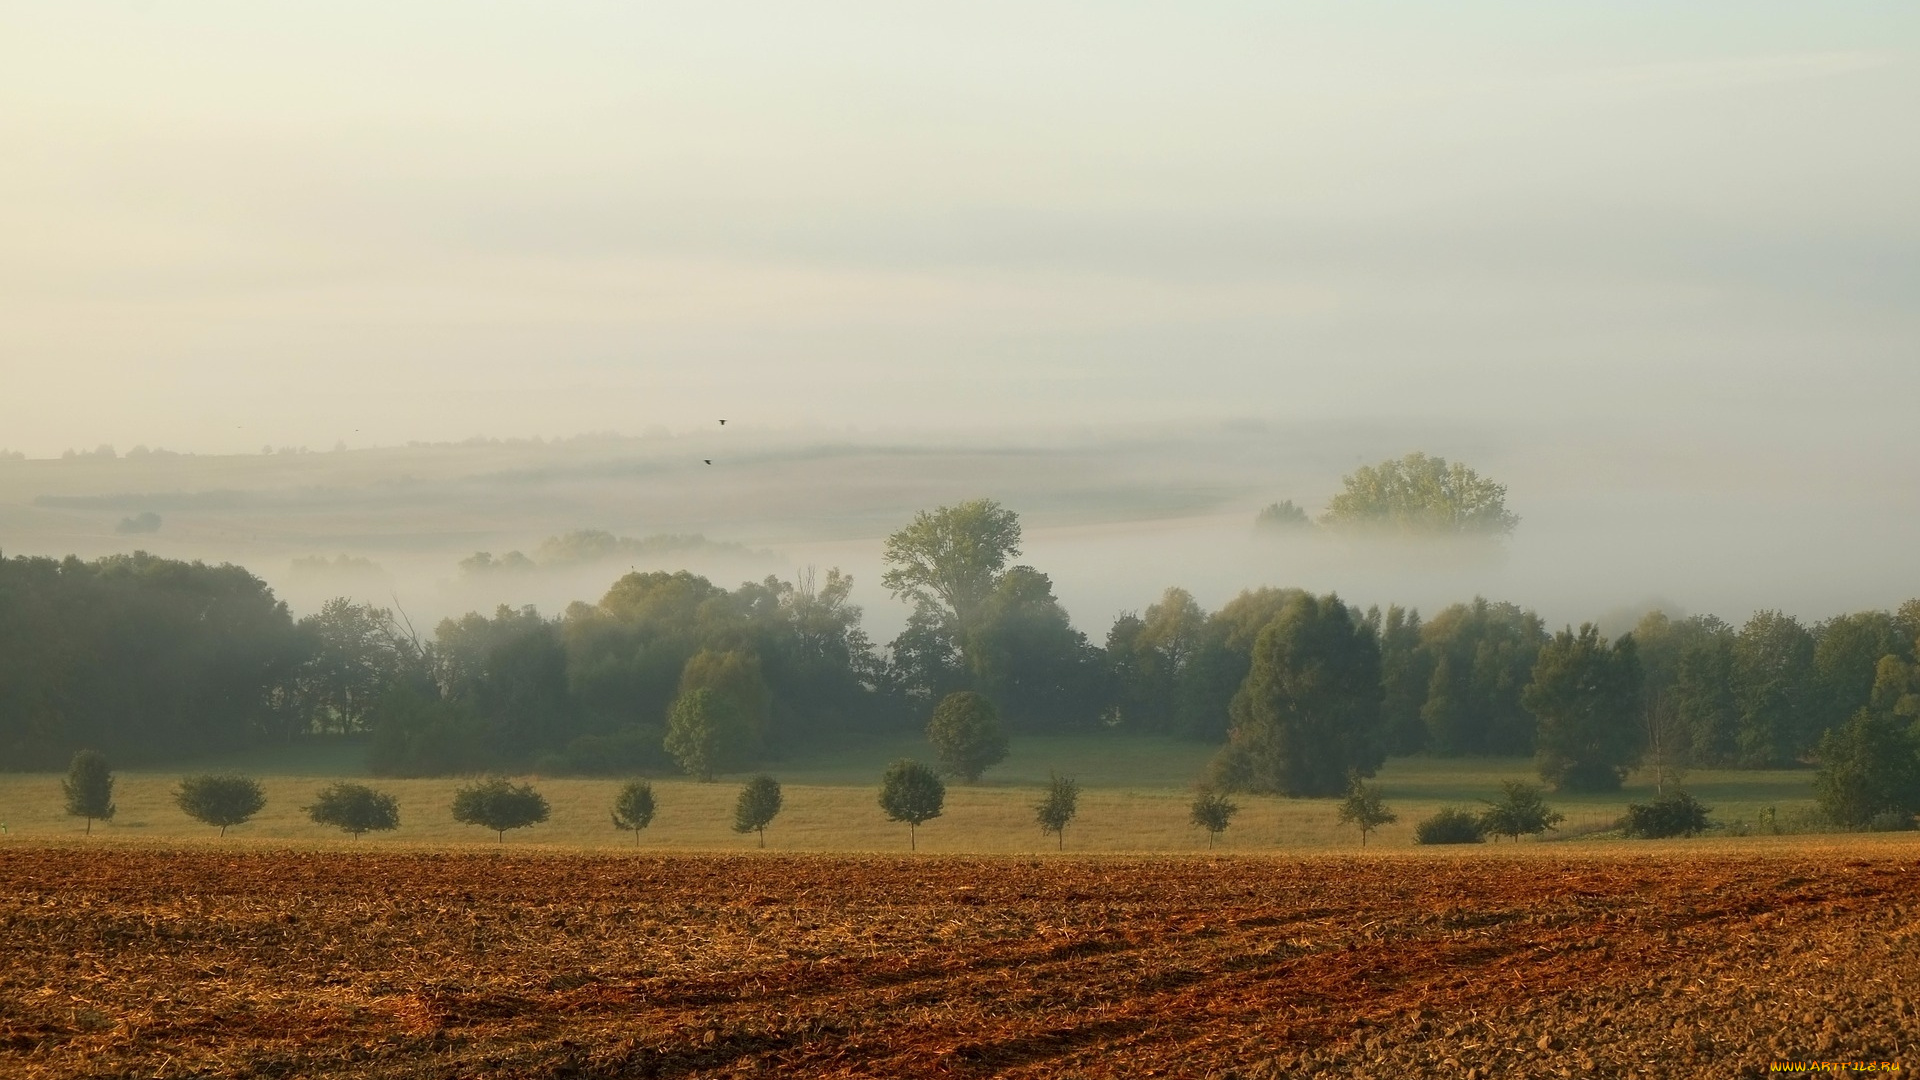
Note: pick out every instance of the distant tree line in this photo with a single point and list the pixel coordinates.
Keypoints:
(147, 659)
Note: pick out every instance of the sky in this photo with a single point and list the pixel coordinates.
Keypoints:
(224, 225)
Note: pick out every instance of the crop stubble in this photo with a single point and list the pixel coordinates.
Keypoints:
(176, 963)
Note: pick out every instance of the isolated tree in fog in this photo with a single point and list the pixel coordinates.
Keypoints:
(1282, 517)
(354, 808)
(495, 804)
(1421, 494)
(1587, 697)
(953, 556)
(1308, 714)
(1058, 806)
(1212, 811)
(633, 808)
(220, 801)
(89, 788)
(1364, 807)
(965, 731)
(911, 792)
(757, 806)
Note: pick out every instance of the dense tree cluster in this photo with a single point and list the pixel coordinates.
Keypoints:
(143, 659)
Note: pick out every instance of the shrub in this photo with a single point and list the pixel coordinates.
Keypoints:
(759, 802)
(1679, 814)
(499, 806)
(1451, 825)
(911, 792)
(220, 800)
(1212, 811)
(1522, 810)
(355, 808)
(629, 750)
(89, 787)
(965, 731)
(1058, 806)
(633, 808)
(1891, 821)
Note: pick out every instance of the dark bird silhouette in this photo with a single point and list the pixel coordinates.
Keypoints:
(707, 460)
(723, 423)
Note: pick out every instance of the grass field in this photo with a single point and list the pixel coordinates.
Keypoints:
(1524, 961)
(1135, 794)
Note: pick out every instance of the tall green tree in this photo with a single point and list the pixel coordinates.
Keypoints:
(1308, 715)
(1150, 657)
(1024, 653)
(1421, 494)
(952, 557)
(509, 673)
(1868, 766)
(1480, 657)
(1587, 698)
(966, 734)
(89, 787)
(1221, 657)
(1406, 676)
(1846, 661)
(704, 734)
(734, 678)
(354, 653)
(1703, 688)
(1773, 680)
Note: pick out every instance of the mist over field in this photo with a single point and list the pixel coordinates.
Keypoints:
(1610, 526)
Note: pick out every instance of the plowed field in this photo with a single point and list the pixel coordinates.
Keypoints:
(156, 963)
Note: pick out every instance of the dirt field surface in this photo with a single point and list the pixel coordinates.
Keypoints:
(182, 963)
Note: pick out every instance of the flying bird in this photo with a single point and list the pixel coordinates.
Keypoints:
(707, 460)
(723, 423)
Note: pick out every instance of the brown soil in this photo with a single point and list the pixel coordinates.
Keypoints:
(156, 963)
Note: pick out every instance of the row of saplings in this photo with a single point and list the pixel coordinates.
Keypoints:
(910, 793)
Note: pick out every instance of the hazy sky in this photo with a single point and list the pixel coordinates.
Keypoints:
(227, 224)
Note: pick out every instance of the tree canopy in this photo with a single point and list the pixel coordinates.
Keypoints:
(965, 732)
(495, 804)
(88, 787)
(758, 804)
(952, 557)
(355, 809)
(220, 800)
(1587, 697)
(1421, 495)
(912, 793)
